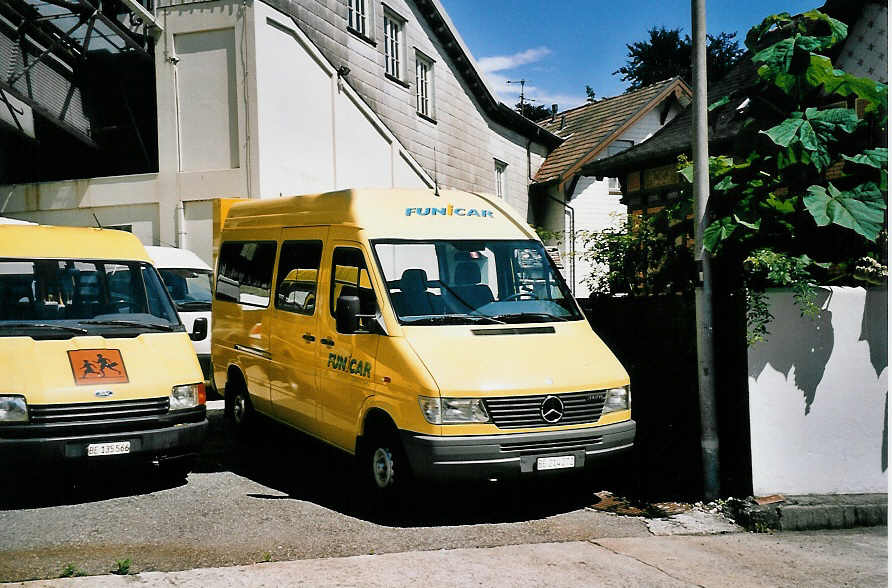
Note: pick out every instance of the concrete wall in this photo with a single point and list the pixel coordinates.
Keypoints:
(819, 396)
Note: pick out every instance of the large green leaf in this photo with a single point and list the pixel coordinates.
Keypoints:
(756, 33)
(720, 102)
(717, 232)
(785, 133)
(878, 158)
(845, 119)
(838, 30)
(860, 209)
(778, 57)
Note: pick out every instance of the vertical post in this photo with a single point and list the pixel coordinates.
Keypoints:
(709, 441)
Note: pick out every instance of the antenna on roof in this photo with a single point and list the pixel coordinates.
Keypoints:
(436, 183)
(96, 218)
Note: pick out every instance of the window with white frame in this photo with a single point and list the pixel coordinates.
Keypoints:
(359, 16)
(393, 44)
(501, 168)
(424, 85)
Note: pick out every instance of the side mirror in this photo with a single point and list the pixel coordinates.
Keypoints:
(347, 314)
(199, 329)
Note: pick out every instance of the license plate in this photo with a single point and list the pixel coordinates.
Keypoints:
(116, 448)
(555, 463)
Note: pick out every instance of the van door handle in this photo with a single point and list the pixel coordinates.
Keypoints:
(327, 342)
(309, 337)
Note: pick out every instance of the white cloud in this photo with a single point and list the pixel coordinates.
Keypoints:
(495, 67)
(508, 62)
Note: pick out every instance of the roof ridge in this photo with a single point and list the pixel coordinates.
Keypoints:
(625, 94)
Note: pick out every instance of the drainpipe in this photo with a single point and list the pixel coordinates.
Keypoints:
(180, 221)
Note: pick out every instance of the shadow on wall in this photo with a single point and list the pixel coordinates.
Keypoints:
(873, 327)
(796, 343)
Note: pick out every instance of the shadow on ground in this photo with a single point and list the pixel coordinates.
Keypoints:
(301, 468)
(295, 466)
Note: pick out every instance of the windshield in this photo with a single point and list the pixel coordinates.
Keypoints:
(65, 297)
(467, 282)
(189, 288)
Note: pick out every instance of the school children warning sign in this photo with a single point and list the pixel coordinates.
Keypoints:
(97, 366)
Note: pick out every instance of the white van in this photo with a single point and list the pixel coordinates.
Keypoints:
(188, 279)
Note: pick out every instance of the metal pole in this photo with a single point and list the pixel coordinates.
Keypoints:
(709, 440)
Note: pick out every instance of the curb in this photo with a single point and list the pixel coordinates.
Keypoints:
(810, 512)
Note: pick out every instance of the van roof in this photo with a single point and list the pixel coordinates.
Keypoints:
(174, 257)
(389, 213)
(50, 242)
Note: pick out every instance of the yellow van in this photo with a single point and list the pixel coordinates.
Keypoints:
(430, 335)
(95, 362)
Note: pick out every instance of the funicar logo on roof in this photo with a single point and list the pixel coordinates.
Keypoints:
(449, 210)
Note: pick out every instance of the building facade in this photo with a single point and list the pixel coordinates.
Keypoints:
(282, 97)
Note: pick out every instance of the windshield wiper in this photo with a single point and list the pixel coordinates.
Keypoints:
(454, 319)
(193, 304)
(522, 315)
(122, 323)
(44, 326)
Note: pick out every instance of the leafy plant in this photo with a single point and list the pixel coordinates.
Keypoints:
(71, 571)
(122, 567)
(807, 176)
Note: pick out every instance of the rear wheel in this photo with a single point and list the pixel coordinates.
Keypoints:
(238, 406)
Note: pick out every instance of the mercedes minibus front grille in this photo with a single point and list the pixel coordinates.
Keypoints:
(516, 412)
(97, 411)
(551, 446)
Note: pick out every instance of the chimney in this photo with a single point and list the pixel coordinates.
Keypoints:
(553, 111)
(562, 121)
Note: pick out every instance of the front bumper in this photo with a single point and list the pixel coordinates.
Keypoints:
(170, 437)
(477, 457)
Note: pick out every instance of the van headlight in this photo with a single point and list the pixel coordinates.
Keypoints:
(187, 396)
(451, 411)
(617, 399)
(13, 409)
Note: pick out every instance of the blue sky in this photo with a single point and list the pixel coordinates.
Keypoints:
(559, 46)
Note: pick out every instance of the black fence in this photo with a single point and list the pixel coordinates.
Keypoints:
(655, 339)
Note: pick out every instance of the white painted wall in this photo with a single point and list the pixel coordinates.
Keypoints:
(819, 396)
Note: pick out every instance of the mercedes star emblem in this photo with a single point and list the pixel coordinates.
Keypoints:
(552, 409)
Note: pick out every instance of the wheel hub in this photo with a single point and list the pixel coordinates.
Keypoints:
(238, 408)
(382, 467)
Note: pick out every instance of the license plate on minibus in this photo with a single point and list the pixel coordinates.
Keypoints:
(116, 448)
(555, 463)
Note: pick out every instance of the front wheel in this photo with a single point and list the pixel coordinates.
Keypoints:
(384, 465)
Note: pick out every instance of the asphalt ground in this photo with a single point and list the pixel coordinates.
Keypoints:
(277, 496)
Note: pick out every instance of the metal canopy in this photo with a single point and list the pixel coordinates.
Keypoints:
(44, 45)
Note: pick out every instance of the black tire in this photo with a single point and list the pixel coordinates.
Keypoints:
(383, 464)
(238, 408)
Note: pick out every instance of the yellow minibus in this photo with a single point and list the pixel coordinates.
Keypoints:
(96, 365)
(427, 333)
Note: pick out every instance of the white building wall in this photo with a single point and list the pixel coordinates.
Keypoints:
(247, 107)
(819, 396)
(596, 207)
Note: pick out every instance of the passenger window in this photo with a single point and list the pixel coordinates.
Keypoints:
(298, 275)
(245, 272)
(350, 277)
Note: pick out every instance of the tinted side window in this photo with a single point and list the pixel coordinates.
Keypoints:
(245, 272)
(350, 277)
(298, 275)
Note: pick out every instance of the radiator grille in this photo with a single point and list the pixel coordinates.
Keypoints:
(514, 412)
(577, 444)
(97, 411)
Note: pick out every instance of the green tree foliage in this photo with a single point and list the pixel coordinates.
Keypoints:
(589, 94)
(536, 113)
(667, 54)
(802, 196)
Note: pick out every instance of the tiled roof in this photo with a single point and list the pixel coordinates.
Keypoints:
(675, 138)
(586, 128)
